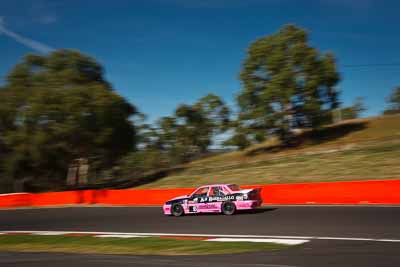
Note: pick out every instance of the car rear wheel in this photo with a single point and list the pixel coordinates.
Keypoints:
(177, 210)
(228, 208)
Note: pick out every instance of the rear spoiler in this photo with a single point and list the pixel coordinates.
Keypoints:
(255, 193)
(256, 190)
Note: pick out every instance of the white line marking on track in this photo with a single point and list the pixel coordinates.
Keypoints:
(51, 233)
(261, 240)
(387, 240)
(344, 238)
(120, 236)
(212, 235)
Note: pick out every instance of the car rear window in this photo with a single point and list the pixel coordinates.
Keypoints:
(234, 187)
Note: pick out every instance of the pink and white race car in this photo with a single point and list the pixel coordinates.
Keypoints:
(217, 198)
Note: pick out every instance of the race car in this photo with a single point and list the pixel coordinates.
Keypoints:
(217, 198)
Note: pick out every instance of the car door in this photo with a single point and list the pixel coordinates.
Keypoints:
(211, 203)
(198, 198)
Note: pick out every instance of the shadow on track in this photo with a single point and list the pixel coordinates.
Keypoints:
(238, 213)
(255, 211)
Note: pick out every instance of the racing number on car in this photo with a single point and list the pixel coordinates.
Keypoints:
(192, 208)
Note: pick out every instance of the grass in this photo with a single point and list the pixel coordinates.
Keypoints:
(363, 149)
(131, 246)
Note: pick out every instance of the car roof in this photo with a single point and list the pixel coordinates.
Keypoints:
(211, 185)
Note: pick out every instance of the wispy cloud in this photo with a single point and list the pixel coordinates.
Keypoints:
(35, 45)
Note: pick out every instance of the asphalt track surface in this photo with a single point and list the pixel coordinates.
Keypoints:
(336, 222)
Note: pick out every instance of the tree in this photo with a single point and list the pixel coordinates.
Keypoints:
(193, 133)
(286, 84)
(138, 164)
(190, 131)
(394, 102)
(58, 108)
(198, 124)
(215, 112)
(170, 139)
(354, 111)
(239, 139)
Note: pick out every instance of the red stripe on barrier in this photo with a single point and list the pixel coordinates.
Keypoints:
(138, 196)
(353, 192)
(15, 200)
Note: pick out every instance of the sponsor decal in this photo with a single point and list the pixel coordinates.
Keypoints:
(221, 198)
(243, 205)
(208, 206)
(203, 199)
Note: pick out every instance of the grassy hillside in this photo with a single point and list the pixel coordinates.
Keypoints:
(363, 149)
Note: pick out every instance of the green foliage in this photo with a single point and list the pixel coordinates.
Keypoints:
(215, 112)
(391, 112)
(174, 139)
(57, 108)
(286, 84)
(140, 163)
(394, 102)
(193, 131)
(190, 132)
(354, 111)
(239, 140)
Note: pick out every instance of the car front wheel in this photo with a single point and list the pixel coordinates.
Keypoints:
(177, 210)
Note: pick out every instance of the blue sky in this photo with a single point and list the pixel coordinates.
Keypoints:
(160, 53)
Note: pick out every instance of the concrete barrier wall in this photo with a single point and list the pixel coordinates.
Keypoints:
(354, 192)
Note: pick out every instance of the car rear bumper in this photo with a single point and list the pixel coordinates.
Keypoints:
(248, 204)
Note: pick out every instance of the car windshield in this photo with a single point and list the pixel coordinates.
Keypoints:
(234, 187)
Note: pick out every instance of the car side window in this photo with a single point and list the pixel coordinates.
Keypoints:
(225, 191)
(217, 192)
(201, 192)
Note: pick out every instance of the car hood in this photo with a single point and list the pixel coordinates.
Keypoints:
(180, 197)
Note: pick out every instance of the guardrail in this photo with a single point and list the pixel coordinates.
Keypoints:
(352, 192)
